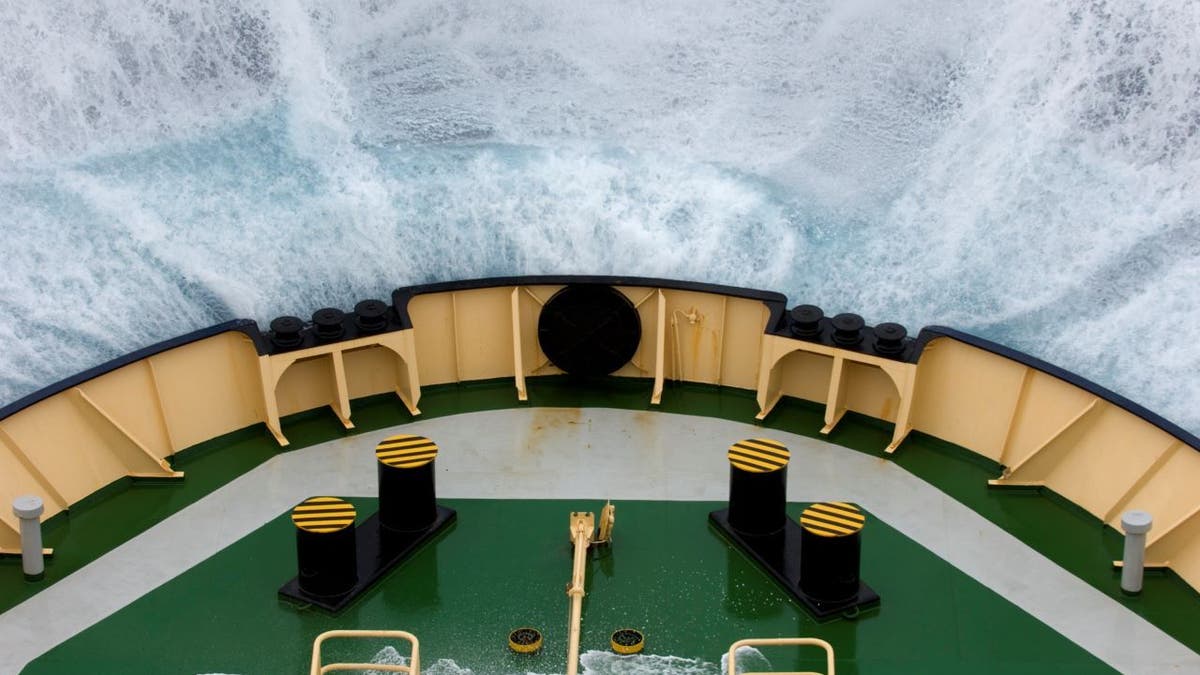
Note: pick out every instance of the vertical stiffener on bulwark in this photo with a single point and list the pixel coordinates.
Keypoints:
(408, 517)
(817, 559)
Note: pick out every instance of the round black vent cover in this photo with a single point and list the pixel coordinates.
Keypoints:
(589, 329)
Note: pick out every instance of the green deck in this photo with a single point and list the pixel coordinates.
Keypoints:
(505, 564)
(1072, 538)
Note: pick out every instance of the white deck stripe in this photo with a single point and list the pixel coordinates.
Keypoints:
(537, 453)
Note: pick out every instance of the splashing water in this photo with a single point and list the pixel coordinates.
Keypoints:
(601, 663)
(1029, 172)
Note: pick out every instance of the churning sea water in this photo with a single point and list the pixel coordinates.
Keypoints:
(1029, 171)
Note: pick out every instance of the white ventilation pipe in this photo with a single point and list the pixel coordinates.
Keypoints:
(29, 509)
(1136, 524)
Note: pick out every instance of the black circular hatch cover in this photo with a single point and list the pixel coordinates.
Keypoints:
(589, 329)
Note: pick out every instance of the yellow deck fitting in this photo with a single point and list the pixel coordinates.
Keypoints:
(608, 518)
(767, 642)
(525, 640)
(581, 525)
(412, 668)
(627, 641)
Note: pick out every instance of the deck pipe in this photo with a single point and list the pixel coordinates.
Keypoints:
(29, 509)
(1136, 524)
(581, 527)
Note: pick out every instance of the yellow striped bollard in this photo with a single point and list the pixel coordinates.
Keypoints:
(407, 495)
(325, 545)
(830, 550)
(758, 486)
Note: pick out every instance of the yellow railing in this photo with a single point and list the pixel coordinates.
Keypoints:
(765, 642)
(414, 662)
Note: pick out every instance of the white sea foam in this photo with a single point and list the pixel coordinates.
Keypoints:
(390, 656)
(1027, 171)
(596, 662)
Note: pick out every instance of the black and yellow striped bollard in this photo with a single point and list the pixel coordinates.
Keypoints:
(407, 495)
(325, 546)
(758, 486)
(830, 550)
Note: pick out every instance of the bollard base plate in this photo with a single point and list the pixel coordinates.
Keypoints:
(779, 556)
(379, 550)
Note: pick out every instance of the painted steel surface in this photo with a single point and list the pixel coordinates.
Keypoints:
(323, 514)
(832, 519)
(758, 455)
(406, 451)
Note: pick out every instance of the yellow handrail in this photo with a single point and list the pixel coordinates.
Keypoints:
(761, 642)
(413, 668)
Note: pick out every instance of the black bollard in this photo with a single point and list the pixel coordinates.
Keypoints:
(371, 316)
(847, 330)
(815, 560)
(407, 519)
(328, 323)
(325, 546)
(407, 496)
(758, 486)
(830, 551)
(285, 332)
(889, 339)
(806, 321)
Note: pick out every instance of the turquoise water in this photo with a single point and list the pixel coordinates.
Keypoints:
(1024, 171)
